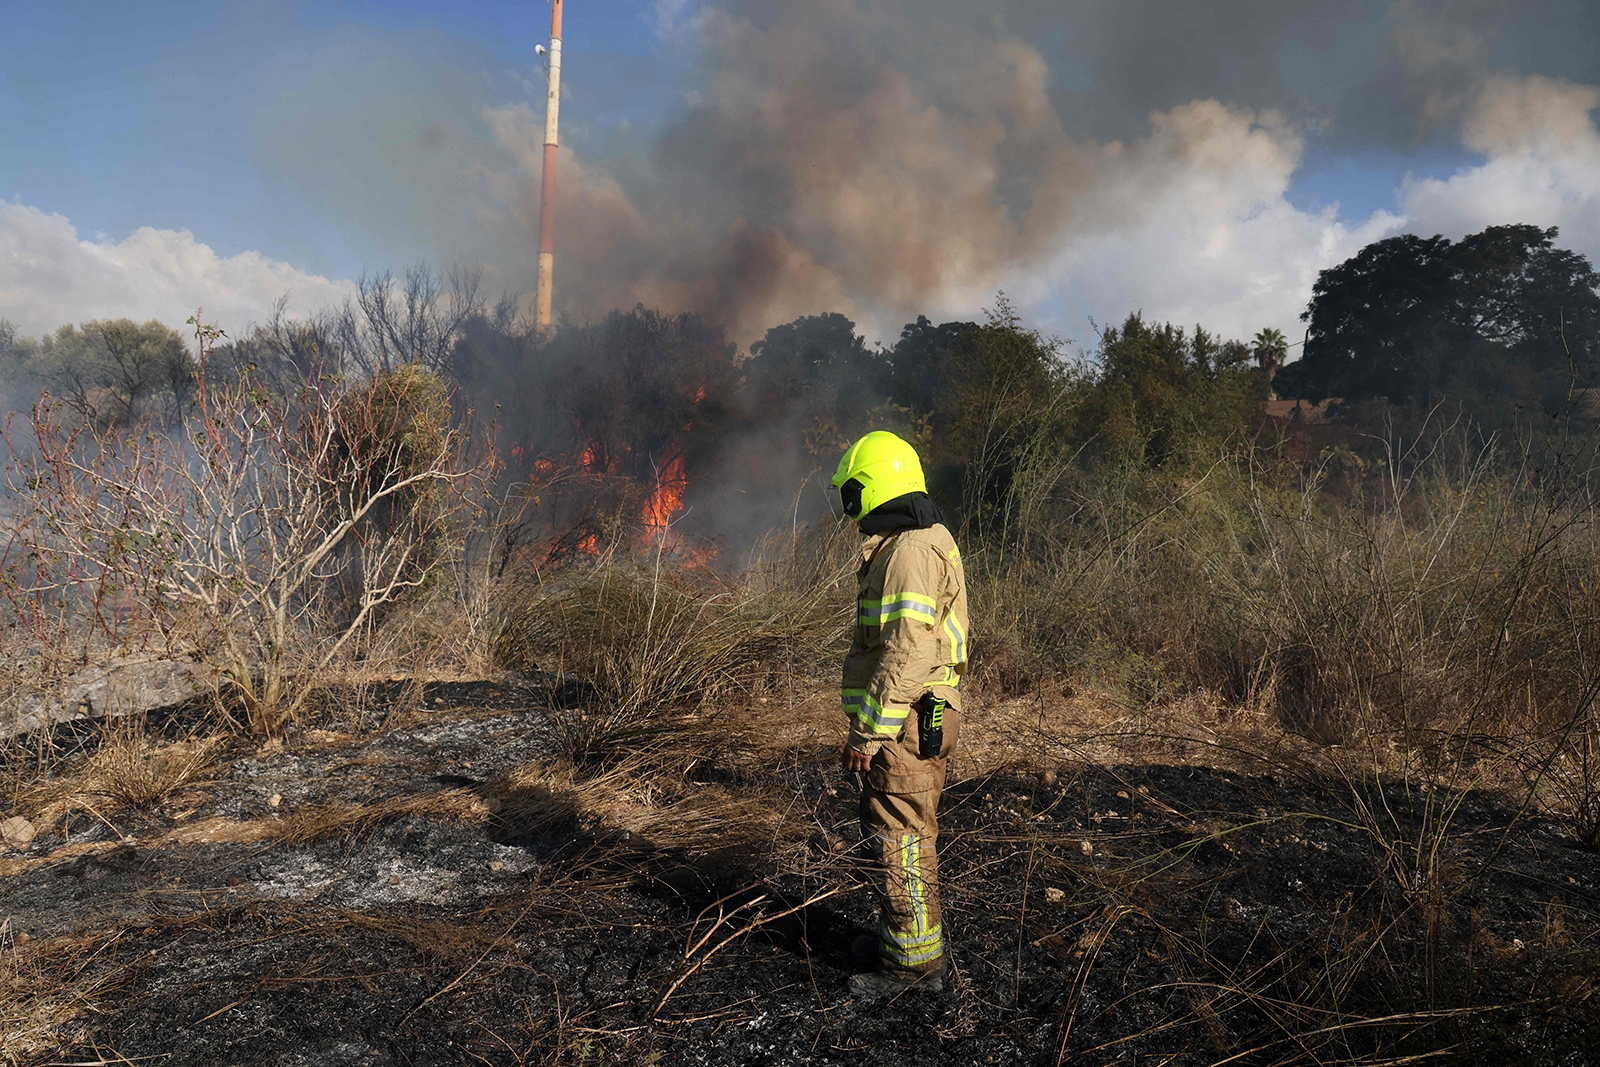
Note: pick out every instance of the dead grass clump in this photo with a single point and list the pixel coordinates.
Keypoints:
(136, 772)
(124, 770)
(45, 989)
(631, 803)
(319, 822)
(1565, 777)
(658, 640)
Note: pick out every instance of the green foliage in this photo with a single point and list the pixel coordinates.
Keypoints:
(395, 425)
(818, 372)
(1270, 348)
(997, 396)
(111, 373)
(1502, 321)
(1162, 395)
(1001, 416)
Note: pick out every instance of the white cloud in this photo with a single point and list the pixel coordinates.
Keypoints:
(1542, 165)
(1191, 224)
(48, 276)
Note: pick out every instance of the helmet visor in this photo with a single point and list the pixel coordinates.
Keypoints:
(850, 498)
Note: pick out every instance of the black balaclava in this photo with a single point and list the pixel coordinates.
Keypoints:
(913, 511)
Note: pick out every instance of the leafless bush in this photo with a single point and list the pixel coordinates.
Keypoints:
(266, 539)
(454, 623)
(417, 319)
(282, 352)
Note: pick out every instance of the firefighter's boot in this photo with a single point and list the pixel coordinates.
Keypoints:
(875, 985)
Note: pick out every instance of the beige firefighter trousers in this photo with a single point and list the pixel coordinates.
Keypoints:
(901, 833)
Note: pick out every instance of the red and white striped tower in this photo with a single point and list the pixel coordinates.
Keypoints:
(547, 190)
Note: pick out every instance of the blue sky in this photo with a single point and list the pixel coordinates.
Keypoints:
(121, 116)
(330, 138)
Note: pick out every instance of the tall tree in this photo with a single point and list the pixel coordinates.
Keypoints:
(110, 372)
(819, 371)
(1269, 349)
(1490, 319)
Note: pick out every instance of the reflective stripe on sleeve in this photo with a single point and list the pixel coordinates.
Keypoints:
(897, 606)
(861, 706)
(958, 638)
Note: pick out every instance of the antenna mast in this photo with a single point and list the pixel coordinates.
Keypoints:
(547, 189)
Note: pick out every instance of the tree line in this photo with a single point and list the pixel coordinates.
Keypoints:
(1503, 325)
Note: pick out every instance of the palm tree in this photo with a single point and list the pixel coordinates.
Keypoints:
(1270, 351)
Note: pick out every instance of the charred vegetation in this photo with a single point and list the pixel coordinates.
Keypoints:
(518, 748)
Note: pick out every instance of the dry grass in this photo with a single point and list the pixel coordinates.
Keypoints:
(45, 990)
(633, 803)
(1429, 608)
(135, 773)
(1433, 637)
(658, 641)
(319, 822)
(123, 771)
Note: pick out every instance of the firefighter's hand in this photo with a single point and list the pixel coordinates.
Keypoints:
(854, 760)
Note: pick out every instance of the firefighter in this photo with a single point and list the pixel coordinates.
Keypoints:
(901, 694)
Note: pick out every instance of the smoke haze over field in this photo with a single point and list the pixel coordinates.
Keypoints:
(756, 160)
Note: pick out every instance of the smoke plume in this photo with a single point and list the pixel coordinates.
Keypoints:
(884, 159)
(888, 158)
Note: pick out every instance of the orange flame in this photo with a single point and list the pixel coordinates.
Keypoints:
(699, 556)
(667, 499)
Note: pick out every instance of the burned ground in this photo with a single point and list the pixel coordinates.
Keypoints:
(428, 887)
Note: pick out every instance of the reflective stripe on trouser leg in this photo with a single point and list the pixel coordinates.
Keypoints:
(921, 942)
(904, 831)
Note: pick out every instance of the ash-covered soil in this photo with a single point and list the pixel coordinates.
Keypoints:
(401, 902)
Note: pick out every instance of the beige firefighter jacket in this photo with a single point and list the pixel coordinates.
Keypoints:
(910, 638)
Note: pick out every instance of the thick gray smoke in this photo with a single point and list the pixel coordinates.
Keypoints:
(758, 159)
(890, 157)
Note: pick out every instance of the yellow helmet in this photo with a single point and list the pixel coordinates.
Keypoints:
(875, 469)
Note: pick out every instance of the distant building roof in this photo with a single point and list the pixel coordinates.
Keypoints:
(1586, 402)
